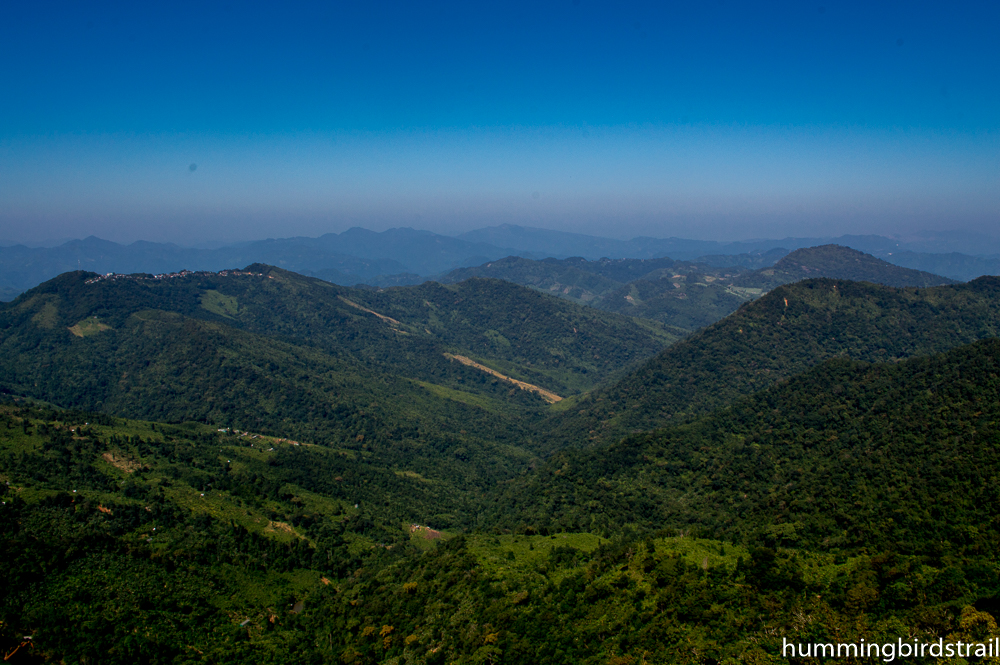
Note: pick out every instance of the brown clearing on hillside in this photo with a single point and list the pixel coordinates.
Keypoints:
(281, 526)
(425, 532)
(547, 395)
(385, 318)
(88, 327)
(123, 463)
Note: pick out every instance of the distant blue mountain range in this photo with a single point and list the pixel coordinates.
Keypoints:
(406, 256)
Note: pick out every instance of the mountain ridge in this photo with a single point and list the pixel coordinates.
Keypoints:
(821, 460)
(408, 256)
(267, 350)
(688, 295)
(779, 335)
(837, 262)
(352, 494)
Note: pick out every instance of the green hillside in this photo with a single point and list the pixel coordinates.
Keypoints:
(837, 262)
(165, 365)
(848, 456)
(853, 502)
(777, 336)
(468, 318)
(681, 295)
(311, 473)
(528, 335)
(271, 352)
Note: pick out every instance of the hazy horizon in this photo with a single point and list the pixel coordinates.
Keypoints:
(205, 125)
(925, 241)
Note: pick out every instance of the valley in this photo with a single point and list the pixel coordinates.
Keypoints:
(560, 461)
(429, 333)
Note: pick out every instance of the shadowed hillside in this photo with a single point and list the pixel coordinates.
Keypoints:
(848, 455)
(783, 333)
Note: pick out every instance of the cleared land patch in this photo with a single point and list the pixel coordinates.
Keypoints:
(122, 462)
(88, 327)
(547, 395)
(387, 319)
(219, 303)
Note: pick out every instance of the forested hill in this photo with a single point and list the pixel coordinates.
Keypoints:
(544, 340)
(688, 295)
(560, 346)
(419, 390)
(129, 542)
(354, 495)
(779, 335)
(563, 278)
(683, 295)
(901, 457)
(838, 262)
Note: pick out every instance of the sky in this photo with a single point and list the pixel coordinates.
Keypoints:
(219, 122)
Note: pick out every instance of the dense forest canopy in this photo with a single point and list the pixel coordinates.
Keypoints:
(258, 467)
(782, 334)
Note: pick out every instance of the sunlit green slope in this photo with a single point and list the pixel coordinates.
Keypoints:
(269, 350)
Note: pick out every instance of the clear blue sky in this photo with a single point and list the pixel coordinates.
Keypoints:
(192, 122)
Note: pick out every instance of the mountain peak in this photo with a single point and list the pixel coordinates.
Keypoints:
(838, 262)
